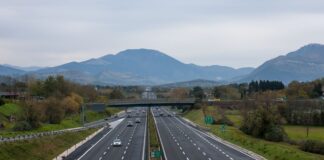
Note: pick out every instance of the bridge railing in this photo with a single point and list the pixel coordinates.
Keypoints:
(149, 101)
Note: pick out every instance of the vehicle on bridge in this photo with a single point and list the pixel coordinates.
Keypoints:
(137, 120)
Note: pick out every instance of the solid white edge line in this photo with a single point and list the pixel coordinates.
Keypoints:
(236, 149)
(157, 128)
(145, 135)
(98, 141)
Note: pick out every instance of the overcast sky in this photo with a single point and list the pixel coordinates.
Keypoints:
(236, 33)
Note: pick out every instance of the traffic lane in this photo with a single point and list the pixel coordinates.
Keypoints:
(83, 148)
(128, 138)
(135, 149)
(200, 136)
(119, 152)
(195, 144)
(98, 149)
(170, 146)
(193, 148)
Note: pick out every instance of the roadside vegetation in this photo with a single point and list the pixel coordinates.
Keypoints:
(50, 104)
(44, 148)
(268, 149)
(273, 120)
(154, 144)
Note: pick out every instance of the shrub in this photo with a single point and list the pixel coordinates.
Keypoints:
(263, 122)
(224, 120)
(275, 133)
(312, 146)
(22, 126)
(2, 102)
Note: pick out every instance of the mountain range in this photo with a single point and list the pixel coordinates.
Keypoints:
(304, 64)
(152, 67)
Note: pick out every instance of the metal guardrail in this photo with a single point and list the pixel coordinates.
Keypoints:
(48, 133)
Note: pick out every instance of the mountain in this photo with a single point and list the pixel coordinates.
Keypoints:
(193, 83)
(304, 64)
(27, 69)
(139, 67)
(8, 71)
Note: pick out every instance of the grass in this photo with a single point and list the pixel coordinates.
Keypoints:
(299, 133)
(270, 150)
(10, 109)
(44, 148)
(69, 122)
(154, 140)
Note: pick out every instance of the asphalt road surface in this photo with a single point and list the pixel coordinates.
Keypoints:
(183, 142)
(132, 137)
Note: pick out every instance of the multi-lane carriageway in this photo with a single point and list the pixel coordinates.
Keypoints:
(180, 141)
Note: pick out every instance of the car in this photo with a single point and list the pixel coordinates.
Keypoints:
(169, 115)
(106, 119)
(129, 124)
(117, 142)
(137, 120)
(128, 116)
(161, 114)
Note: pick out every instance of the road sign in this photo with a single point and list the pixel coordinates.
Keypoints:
(223, 127)
(209, 120)
(156, 154)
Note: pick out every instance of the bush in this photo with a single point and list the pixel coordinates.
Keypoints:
(275, 133)
(2, 102)
(263, 122)
(312, 146)
(224, 120)
(22, 126)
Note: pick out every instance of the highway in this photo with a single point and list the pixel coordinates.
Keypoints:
(133, 141)
(181, 141)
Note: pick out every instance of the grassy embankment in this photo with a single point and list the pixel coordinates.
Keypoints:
(153, 135)
(44, 148)
(69, 122)
(270, 150)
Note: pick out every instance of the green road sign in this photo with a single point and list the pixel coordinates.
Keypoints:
(209, 120)
(223, 127)
(156, 154)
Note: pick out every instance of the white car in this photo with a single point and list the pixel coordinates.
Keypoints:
(117, 142)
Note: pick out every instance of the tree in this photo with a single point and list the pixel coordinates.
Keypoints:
(179, 93)
(2, 102)
(116, 94)
(198, 93)
(54, 111)
(263, 121)
(72, 103)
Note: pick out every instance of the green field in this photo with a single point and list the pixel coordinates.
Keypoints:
(44, 148)
(270, 150)
(299, 133)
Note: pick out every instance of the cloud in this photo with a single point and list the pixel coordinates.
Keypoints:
(227, 32)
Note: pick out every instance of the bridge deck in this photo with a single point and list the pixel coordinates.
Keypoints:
(150, 102)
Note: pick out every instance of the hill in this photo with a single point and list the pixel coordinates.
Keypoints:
(304, 64)
(139, 67)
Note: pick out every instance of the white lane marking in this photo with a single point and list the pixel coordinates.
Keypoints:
(99, 140)
(183, 153)
(196, 130)
(157, 128)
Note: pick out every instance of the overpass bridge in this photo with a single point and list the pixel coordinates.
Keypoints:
(150, 102)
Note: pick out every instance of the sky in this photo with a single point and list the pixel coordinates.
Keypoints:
(233, 33)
